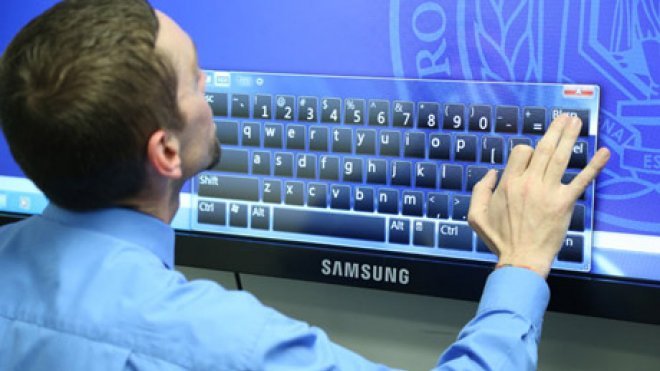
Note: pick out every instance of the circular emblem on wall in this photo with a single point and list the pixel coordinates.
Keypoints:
(614, 44)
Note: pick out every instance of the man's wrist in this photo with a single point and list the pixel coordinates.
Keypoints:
(541, 270)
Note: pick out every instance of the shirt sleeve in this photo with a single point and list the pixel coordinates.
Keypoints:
(505, 333)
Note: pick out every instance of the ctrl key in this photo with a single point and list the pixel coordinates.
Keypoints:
(454, 236)
(211, 212)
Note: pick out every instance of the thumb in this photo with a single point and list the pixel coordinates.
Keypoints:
(481, 196)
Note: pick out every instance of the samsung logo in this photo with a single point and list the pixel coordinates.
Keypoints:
(365, 272)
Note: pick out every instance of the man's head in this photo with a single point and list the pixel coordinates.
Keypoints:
(100, 97)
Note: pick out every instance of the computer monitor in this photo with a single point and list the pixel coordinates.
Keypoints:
(418, 72)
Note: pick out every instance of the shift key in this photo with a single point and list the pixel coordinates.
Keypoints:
(229, 187)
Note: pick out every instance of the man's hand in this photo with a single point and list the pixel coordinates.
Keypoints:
(525, 219)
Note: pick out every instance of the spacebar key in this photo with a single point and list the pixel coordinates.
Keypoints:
(329, 224)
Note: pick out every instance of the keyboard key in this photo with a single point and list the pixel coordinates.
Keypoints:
(329, 224)
(330, 110)
(272, 191)
(283, 164)
(492, 150)
(273, 135)
(260, 217)
(229, 187)
(364, 199)
(317, 195)
(571, 249)
(437, 206)
(412, 203)
(506, 119)
(451, 177)
(388, 201)
(342, 140)
(227, 132)
(403, 114)
(579, 155)
(428, 115)
(306, 166)
(517, 141)
(238, 215)
(480, 118)
(352, 170)
(329, 166)
(284, 106)
(414, 145)
(454, 236)
(440, 146)
(577, 219)
(583, 114)
(399, 231)
(401, 173)
(466, 148)
(251, 133)
(233, 161)
(365, 142)
(461, 205)
(534, 120)
(340, 197)
(261, 163)
(354, 113)
(318, 139)
(211, 212)
(474, 175)
(376, 171)
(295, 137)
(294, 194)
(308, 109)
(263, 107)
(379, 113)
(240, 105)
(218, 103)
(426, 175)
(423, 233)
(454, 117)
(390, 143)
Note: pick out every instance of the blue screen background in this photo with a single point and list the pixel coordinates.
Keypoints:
(614, 44)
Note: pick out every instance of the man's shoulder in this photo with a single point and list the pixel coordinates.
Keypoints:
(117, 293)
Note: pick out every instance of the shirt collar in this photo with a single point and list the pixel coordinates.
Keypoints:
(126, 224)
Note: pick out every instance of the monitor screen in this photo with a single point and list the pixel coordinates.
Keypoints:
(353, 131)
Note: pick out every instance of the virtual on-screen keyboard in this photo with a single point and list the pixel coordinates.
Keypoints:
(379, 164)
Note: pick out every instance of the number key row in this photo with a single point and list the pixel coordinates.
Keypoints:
(423, 115)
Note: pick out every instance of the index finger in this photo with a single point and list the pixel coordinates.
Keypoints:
(589, 173)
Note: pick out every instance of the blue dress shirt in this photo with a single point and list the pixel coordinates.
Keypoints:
(97, 291)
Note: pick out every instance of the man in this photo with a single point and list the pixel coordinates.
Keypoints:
(109, 92)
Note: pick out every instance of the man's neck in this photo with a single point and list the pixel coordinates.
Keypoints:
(163, 212)
(161, 204)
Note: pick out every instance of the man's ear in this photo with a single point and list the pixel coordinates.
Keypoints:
(163, 154)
